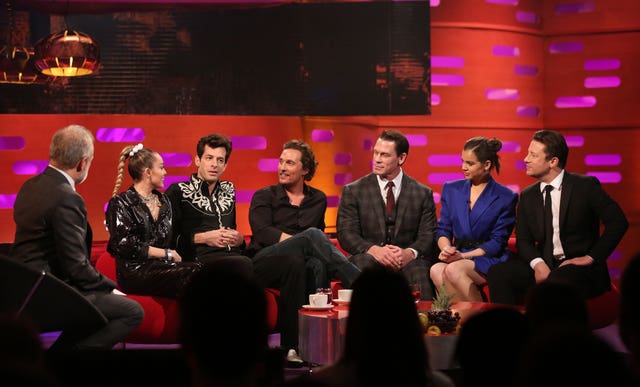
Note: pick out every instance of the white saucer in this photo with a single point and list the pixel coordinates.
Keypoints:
(341, 302)
(313, 307)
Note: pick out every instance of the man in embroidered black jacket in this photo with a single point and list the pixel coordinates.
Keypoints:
(204, 225)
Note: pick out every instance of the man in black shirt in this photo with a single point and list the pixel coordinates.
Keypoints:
(204, 216)
(288, 219)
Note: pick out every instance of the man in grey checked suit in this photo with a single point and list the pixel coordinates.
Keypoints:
(391, 226)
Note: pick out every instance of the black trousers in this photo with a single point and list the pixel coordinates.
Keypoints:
(287, 274)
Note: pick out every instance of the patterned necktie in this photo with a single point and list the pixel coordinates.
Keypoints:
(547, 253)
(391, 200)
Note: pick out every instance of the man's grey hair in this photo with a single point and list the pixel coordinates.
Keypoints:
(71, 144)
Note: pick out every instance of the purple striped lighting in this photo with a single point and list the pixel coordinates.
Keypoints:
(503, 2)
(444, 160)
(447, 80)
(527, 17)
(520, 165)
(450, 62)
(584, 101)
(249, 142)
(602, 64)
(367, 144)
(514, 187)
(244, 196)
(615, 256)
(501, 94)
(120, 135)
(511, 146)
(176, 159)
(574, 141)
(417, 139)
(528, 111)
(505, 51)
(565, 47)
(436, 197)
(170, 179)
(342, 178)
(29, 167)
(435, 99)
(443, 177)
(268, 165)
(342, 159)
(12, 142)
(322, 135)
(434, 3)
(528, 71)
(604, 159)
(333, 201)
(7, 200)
(602, 82)
(606, 177)
(615, 273)
(576, 7)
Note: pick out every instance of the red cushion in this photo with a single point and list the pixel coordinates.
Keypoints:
(160, 323)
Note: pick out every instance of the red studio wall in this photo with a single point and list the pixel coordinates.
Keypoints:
(499, 68)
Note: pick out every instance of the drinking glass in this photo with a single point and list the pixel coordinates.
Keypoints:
(416, 292)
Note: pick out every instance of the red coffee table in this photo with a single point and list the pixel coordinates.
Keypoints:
(321, 333)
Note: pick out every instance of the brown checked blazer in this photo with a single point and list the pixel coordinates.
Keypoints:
(361, 218)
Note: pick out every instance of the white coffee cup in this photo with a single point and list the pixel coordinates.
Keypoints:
(318, 299)
(345, 294)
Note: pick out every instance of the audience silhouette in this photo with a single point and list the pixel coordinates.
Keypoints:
(224, 338)
(384, 343)
(489, 346)
(629, 321)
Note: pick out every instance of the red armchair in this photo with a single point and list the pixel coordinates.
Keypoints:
(160, 323)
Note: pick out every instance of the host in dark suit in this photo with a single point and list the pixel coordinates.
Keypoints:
(392, 226)
(577, 252)
(52, 234)
(477, 216)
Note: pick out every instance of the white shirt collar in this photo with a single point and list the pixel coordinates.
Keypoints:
(66, 175)
(397, 181)
(555, 183)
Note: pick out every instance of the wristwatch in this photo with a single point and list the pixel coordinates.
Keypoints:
(169, 254)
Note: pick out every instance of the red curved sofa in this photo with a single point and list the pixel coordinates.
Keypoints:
(160, 323)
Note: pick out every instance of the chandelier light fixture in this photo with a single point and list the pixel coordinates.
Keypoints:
(17, 65)
(67, 54)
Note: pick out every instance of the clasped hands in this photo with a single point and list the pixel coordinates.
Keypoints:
(223, 237)
(450, 254)
(391, 255)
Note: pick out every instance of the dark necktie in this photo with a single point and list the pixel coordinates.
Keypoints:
(547, 253)
(391, 200)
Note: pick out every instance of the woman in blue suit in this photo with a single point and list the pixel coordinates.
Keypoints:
(476, 220)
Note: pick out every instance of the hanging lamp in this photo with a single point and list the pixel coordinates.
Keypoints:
(17, 65)
(67, 54)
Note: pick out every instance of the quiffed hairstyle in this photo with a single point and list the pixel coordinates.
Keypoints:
(402, 144)
(215, 140)
(485, 149)
(554, 145)
(308, 159)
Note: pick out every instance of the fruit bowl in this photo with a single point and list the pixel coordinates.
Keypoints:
(446, 320)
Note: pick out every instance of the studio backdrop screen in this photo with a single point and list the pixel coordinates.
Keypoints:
(341, 58)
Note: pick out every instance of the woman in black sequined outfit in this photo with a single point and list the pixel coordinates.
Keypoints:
(139, 224)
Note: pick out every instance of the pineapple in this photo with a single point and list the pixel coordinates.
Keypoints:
(442, 301)
(440, 314)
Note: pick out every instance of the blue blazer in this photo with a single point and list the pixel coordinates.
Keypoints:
(490, 222)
